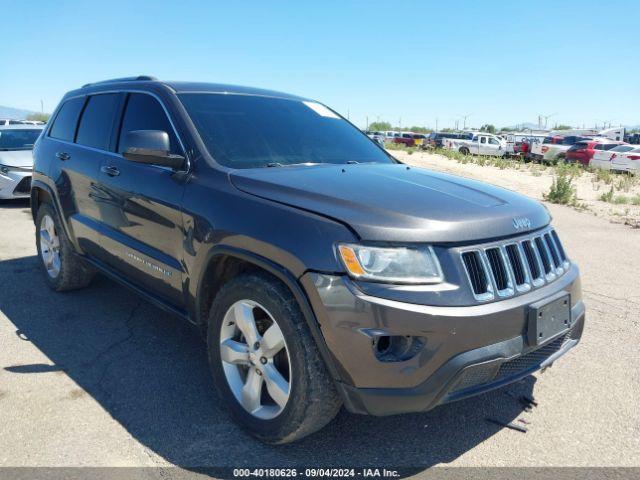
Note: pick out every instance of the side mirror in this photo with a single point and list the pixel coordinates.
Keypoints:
(150, 147)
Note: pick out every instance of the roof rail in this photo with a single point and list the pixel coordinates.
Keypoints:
(139, 78)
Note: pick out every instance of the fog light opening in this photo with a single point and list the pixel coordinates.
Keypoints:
(397, 348)
(382, 344)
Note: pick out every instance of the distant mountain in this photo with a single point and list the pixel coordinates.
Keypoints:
(14, 113)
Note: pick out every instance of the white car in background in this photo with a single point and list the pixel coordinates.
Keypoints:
(16, 159)
(377, 137)
(623, 158)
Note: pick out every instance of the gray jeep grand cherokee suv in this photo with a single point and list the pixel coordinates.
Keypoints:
(322, 271)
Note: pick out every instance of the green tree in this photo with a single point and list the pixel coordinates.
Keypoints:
(378, 126)
(40, 117)
(563, 127)
(416, 129)
(488, 128)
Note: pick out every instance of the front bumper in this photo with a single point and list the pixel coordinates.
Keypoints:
(15, 184)
(462, 351)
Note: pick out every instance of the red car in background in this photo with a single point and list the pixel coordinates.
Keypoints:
(583, 151)
(408, 139)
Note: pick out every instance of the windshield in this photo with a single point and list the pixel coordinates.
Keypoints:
(245, 131)
(18, 139)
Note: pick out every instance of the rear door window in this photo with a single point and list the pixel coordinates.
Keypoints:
(579, 146)
(144, 112)
(622, 148)
(97, 120)
(64, 126)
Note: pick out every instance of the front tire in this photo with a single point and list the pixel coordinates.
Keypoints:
(464, 151)
(63, 269)
(265, 364)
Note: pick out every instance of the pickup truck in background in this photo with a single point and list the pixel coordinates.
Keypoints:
(478, 144)
(405, 138)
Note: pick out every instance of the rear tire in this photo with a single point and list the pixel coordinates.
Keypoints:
(310, 400)
(464, 150)
(63, 269)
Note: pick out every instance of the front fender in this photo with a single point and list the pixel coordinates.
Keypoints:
(290, 280)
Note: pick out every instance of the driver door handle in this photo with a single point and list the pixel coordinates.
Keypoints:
(110, 170)
(63, 155)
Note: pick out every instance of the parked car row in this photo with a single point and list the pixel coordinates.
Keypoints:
(11, 121)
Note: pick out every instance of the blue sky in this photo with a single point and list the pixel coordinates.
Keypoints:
(499, 62)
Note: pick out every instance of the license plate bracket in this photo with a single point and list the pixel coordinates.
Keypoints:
(548, 318)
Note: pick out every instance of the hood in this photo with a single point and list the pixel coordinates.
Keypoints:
(397, 203)
(17, 158)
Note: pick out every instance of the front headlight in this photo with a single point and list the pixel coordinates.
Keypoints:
(391, 264)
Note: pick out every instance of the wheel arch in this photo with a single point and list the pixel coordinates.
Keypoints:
(42, 192)
(224, 262)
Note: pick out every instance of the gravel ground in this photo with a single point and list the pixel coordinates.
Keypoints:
(99, 377)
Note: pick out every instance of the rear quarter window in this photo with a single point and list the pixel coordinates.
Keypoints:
(64, 125)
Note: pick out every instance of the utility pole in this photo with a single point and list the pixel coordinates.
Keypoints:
(367, 127)
(464, 126)
(41, 106)
(546, 118)
(436, 124)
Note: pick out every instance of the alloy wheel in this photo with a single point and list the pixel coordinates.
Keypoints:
(50, 246)
(255, 359)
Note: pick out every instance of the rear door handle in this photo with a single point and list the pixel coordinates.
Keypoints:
(110, 170)
(63, 156)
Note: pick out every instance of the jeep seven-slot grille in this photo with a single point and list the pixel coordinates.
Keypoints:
(476, 271)
(516, 263)
(542, 251)
(514, 266)
(498, 268)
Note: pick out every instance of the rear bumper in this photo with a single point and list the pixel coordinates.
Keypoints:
(462, 351)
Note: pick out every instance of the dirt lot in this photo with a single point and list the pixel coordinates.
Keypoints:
(535, 180)
(99, 377)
